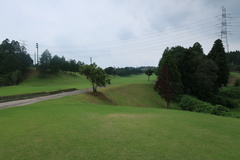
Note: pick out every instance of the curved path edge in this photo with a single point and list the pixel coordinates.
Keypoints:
(38, 99)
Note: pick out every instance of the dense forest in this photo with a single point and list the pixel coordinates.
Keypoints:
(188, 71)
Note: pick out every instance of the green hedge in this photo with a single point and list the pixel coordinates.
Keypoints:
(225, 101)
(193, 104)
(230, 92)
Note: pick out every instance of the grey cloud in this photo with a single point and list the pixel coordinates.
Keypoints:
(125, 34)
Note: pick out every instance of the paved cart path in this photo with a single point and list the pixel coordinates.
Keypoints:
(38, 99)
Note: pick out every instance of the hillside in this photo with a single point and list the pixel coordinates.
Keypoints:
(136, 95)
(35, 83)
(124, 121)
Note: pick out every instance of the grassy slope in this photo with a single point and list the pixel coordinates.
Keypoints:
(137, 95)
(235, 74)
(232, 78)
(37, 84)
(73, 128)
(62, 81)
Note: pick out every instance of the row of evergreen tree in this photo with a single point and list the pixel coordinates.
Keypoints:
(233, 59)
(125, 71)
(52, 65)
(189, 71)
(14, 62)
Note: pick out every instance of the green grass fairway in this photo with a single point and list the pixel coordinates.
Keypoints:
(53, 83)
(142, 78)
(235, 74)
(91, 127)
(63, 81)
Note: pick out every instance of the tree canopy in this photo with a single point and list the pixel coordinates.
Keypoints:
(200, 74)
(14, 61)
(53, 65)
(218, 55)
(96, 75)
(169, 84)
(149, 72)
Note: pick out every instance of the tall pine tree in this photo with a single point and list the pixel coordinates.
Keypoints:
(218, 55)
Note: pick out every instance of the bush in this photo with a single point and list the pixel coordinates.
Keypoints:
(230, 92)
(193, 104)
(237, 83)
(16, 77)
(219, 110)
(225, 101)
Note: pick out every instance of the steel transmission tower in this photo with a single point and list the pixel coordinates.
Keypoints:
(224, 32)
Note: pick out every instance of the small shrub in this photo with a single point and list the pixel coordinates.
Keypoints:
(219, 110)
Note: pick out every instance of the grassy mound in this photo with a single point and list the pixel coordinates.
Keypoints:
(136, 95)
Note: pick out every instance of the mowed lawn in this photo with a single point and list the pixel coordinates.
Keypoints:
(63, 81)
(92, 127)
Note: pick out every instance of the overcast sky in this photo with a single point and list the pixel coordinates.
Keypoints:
(116, 32)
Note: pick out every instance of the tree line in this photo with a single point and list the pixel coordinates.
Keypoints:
(127, 71)
(233, 59)
(189, 71)
(14, 62)
(52, 65)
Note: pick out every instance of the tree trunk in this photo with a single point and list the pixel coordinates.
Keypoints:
(94, 88)
(148, 78)
(168, 104)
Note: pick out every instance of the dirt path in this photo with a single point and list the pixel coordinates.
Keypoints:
(38, 99)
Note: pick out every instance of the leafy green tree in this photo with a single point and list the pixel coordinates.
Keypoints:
(45, 61)
(166, 51)
(74, 67)
(205, 78)
(55, 64)
(14, 61)
(16, 77)
(96, 75)
(197, 47)
(110, 71)
(218, 55)
(169, 84)
(149, 72)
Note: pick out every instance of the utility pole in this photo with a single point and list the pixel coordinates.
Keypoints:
(37, 52)
(90, 60)
(35, 58)
(224, 32)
